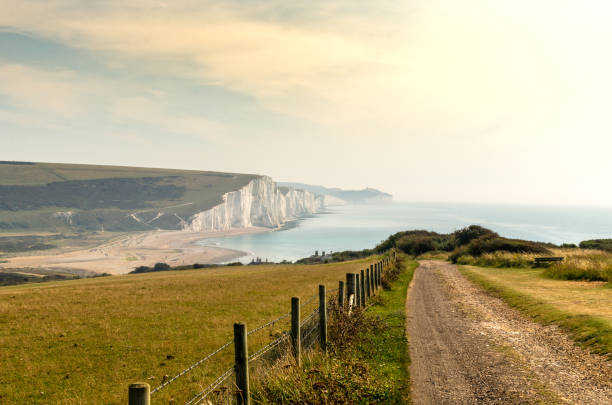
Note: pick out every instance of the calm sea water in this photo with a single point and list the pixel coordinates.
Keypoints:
(355, 227)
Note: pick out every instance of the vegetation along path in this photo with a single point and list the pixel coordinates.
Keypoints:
(468, 347)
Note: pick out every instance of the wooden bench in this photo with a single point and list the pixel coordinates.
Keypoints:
(539, 260)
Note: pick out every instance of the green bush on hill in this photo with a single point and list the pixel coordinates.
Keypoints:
(491, 244)
(473, 241)
(600, 244)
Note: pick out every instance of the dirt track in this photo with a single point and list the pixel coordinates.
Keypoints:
(467, 347)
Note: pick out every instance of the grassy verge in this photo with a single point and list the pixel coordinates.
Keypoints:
(581, 309)
(367, 361)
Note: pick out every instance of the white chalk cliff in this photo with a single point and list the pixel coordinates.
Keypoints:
(259, 203)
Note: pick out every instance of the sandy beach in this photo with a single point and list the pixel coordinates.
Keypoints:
(143, 249)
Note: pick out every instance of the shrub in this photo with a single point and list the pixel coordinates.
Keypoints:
(489, 244)
(161, 267)
(600, 244)
(415, 245)
(141, 269)
(468, 234)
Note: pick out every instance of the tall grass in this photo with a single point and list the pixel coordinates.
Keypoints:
(578, 264)
(590, 265)
(499, 259)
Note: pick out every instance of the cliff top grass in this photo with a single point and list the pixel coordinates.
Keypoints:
(84, 341)
(30, 195)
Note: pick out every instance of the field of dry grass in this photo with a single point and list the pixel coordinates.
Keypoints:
(84, 341)
(577, 297)
(583, 308)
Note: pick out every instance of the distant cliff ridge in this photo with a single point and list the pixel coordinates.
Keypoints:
(260, 203)
(336, 196)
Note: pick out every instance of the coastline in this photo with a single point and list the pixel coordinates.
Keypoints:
(143, 249)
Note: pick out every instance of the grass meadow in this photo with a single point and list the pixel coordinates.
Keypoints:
(84, 341)
(582, 308)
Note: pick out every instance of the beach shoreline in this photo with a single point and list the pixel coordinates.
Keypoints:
(122, 255)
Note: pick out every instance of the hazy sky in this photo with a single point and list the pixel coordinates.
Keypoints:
(483, 100)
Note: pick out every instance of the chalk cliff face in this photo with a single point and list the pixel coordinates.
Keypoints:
(259, 203)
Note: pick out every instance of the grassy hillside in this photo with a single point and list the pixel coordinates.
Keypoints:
(84, 341)
(37, 197)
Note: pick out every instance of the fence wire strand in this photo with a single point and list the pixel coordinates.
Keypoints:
(308, 301)
(199, 397)
(268, 347)
(309, 317)
(194, 365)
(272, 322)
(307, 334)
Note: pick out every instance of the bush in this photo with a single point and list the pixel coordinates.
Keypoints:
(488, 244)
(351, 255)
(600, 244)
(491, 244)
(161, 267)
(141, 269)
(415, 245)
(468, 234)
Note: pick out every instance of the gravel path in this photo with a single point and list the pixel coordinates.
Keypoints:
(468, 347)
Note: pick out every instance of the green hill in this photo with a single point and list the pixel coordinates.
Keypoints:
(49, 197)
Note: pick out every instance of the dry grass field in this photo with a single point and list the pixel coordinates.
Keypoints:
(579, 297)
(84, 341)
(584, 308)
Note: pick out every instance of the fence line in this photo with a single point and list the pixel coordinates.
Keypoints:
(360, 288)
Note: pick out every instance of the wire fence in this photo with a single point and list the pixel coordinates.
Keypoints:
(223, 388)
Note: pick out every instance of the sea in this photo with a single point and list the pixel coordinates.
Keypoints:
(356, 227)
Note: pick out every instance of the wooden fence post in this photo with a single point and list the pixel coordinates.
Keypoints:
(295, 330)
(368, 277)
(139, 394)
(341, 295)
(362, 289)
(322, 318)
(375, 277)
(357, 290)
(372, 279)
(350, 289)
(241, 364)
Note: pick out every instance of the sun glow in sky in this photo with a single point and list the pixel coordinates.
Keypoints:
(475, 100)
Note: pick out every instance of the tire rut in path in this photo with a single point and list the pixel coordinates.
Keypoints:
(467, 347)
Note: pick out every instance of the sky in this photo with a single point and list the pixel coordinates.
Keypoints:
(488, 101)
